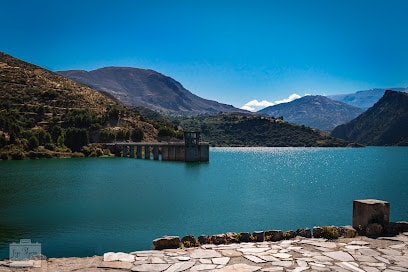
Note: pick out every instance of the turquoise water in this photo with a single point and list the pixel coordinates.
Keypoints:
(88, 206)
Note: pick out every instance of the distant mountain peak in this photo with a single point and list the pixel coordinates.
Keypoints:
(364, 99)
(314, 111)
(147, 88)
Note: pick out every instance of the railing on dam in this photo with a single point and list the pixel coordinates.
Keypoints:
(192, 150)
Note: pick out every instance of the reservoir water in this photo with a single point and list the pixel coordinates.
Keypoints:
(88, 206)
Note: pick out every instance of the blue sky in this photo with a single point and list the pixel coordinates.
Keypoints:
(230, 51)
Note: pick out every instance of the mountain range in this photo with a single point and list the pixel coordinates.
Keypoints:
(144, 88)
(147, 88)
(155, 91)
(385, 123)
(314, 111)
(43, 114)
(42, 109)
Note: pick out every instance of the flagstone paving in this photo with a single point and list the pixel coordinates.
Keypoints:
(360, 254)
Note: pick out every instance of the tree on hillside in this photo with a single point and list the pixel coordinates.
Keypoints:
(3, 140)
(57, 133)
(76, 138)
(33, 142)
(137, 134)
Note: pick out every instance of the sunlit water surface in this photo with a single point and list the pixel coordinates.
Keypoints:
(83, 207)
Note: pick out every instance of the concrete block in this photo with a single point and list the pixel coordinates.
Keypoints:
(369, 211)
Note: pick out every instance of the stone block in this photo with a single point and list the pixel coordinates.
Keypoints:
(395, 228)
(374, 230)
(189, 241)
(347, 232)
(21, 264)
(118, 256)
(110, 257)
(259, 236)
(289, 234)
(203, 239)
(231, 237)
(218, 239)
(317, 232)
(273, 235)
(166, 242)
(245, 237)
(369, 211)
(402, 226)
(391, 229)
(125, 257)
(304, 232)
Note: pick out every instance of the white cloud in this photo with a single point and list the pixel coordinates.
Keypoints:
(289, 99)
(255, 105)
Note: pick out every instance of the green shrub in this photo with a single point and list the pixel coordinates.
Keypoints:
(50, 146)
(106, 136)
(287, 235)
(166, 132)
(33, 142)
(137, 134)
(17, 155)
(3, 140)
(76, 138)
(237, 238)
(330, 232)
(4, 156)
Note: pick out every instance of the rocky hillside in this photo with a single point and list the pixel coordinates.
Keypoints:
(147, 88)
(314, 111)
(45, 114)
(386, 123)
(237, 129)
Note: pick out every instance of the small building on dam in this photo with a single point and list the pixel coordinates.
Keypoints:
(191, 150)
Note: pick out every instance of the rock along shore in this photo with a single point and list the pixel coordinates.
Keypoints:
(296, 254)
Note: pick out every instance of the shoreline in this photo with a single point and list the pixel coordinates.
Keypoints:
(360, 253)
(331, 233)
(374, 208)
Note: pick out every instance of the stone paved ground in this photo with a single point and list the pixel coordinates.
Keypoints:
(299, 254)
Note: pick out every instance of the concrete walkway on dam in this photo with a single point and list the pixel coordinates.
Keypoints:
(298, 254)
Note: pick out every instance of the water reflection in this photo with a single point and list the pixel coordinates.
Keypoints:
(91, 206)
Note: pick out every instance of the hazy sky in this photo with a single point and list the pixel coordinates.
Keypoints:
(230, 51)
